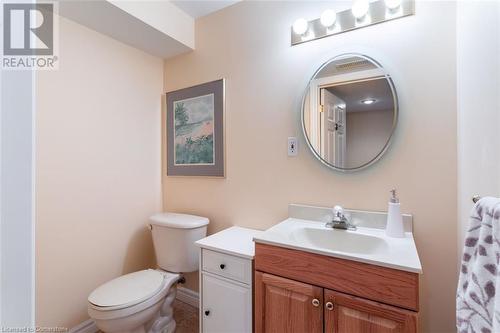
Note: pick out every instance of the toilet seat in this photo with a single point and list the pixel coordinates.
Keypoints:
(130, 293)
(127, 290)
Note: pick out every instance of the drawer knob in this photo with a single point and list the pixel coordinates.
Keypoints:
(315, 302)
(222, 266)
(329, 306)
(207, 312)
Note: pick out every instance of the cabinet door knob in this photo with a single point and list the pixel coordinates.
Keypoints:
(315, 302)
(329, 306)
(207, 312)
(222, 266)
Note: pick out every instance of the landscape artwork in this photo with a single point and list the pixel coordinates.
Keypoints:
(195, 130)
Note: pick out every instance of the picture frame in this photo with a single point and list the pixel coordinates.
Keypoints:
(195, 130)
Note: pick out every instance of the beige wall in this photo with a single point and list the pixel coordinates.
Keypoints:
(249, 45)
(367, 134)
(478, 105)
(98, 169)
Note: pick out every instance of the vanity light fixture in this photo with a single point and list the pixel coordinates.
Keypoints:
(363, 13)
(393, 4)
(360, 8)
(368, 101)
(393, 9)
(328, 18)
(300, 26)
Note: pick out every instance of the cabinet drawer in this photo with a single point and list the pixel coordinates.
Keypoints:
(231, 267)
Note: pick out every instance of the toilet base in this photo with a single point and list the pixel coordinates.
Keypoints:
(164, 321)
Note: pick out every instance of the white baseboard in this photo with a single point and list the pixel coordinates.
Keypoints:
(88, 326)
(188, 296)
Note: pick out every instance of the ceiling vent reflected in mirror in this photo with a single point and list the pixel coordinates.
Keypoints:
(354, 65)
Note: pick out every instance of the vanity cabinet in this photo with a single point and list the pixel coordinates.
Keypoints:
(345, 313)
(226, 281)
(284, 305)
(297, 291)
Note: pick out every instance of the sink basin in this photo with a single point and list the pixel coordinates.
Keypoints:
(339, 240)
(365, 244)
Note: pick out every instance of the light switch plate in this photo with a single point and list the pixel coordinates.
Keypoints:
(292, 146)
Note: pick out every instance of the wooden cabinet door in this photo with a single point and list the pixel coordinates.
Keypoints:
(283, 305)
(353, 314)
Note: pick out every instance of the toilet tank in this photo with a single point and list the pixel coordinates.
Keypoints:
(173, 239)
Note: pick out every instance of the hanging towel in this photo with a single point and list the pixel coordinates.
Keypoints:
(478, 305)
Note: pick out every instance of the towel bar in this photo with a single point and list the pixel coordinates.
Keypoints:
(476, 198)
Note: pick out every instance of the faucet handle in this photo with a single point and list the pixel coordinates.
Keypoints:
(340, 220)
(338, 211)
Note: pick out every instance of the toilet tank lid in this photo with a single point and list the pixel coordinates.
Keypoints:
(180, 221)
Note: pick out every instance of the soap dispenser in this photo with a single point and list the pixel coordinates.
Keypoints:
(394, 226)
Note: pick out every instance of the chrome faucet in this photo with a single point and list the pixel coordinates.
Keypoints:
(339, 220)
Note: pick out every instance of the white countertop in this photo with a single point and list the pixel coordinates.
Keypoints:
(397, 253)
(236, 241)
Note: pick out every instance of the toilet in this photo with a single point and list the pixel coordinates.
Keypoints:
(141, 302)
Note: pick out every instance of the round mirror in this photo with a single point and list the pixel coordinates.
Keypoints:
(349, 112)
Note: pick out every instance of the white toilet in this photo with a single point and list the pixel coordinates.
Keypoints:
(141, 302)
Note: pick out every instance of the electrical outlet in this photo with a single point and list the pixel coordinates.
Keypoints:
(292, 146)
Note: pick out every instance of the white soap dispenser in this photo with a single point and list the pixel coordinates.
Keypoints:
(394, 226)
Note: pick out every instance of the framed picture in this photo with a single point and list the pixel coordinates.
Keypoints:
(195, 130)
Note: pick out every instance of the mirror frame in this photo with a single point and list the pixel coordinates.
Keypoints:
(394, 121)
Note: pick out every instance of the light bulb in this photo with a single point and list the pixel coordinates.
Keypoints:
(392, 4)
(300, 26)
(328, 18)
(360, 8)
(368, 101)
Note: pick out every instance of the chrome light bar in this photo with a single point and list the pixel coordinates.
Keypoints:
(374, 13)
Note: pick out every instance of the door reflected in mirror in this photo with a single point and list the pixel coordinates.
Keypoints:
(349, 112)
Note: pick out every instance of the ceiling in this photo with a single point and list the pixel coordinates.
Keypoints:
(354, 93)
(148, 25)
(200, 8)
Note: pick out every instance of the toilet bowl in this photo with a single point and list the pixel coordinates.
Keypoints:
(141, 302)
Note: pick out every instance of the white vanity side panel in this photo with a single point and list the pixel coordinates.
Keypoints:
(229, 303)
(228, 291)
(200, 292)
